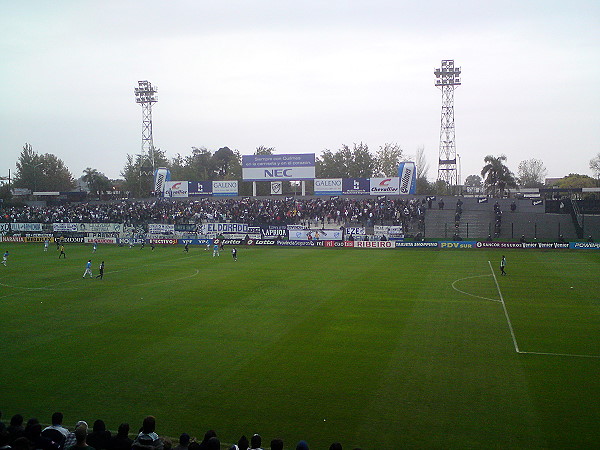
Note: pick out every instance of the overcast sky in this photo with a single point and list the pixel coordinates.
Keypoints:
(300, 76)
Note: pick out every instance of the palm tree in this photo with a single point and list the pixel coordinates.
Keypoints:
(497, 177)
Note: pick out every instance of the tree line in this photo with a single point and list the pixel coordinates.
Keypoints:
(46, 172)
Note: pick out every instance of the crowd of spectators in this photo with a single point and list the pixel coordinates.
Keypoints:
(33, 436)
(252, 211)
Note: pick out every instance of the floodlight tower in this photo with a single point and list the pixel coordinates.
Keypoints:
(447, 78)
(146, 95)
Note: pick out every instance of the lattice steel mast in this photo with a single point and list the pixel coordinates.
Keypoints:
(146, 95)
(447, 79)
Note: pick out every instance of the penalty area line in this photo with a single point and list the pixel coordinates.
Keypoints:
(512, 333)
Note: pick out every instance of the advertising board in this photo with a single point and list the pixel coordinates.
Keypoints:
(176, 189)
(278, 167)
(328, 186)
(225, 188)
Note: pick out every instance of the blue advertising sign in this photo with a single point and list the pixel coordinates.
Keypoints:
(356, 186)
(197, 188)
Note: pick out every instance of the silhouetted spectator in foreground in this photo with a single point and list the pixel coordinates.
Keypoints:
(147, 439)
(256, 442)
(121, 440)
(184, 442)
(71, 439)
(276, 444)
(99, 438)
(15, 428)
(38, 441)
(81, 436)
(55, 430)
(243, 443)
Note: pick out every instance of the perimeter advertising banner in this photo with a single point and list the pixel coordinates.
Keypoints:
(328, 186)
(278, 167)
(219, 227)
(66, 227)
(176, 189)
(16, 226)
(161, 228)
(407, 173)
(100, 227)
(385, 186)
(200, 188)
(223, 188)
(315, 235)
(356, 186)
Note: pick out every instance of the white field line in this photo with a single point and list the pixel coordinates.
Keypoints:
(512, 333)
(473, 295)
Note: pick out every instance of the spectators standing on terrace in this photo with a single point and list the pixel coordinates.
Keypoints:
(310, 212)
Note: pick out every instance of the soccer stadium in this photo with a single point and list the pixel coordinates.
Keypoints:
(273, 266)
(372, 323)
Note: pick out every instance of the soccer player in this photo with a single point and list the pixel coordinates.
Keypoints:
(216, 250)
(62, 251)
(234, 254)
(186, 248)
(88, 269)
(95, 247)
(46, 243)
(502, 265)
(101, 270)
(5, 257)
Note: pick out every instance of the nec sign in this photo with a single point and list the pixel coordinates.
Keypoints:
(278, 173)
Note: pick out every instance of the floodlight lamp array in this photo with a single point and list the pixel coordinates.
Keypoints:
(447, 75)
(145, 93)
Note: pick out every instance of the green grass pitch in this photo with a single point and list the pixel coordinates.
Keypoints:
(378, 349)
